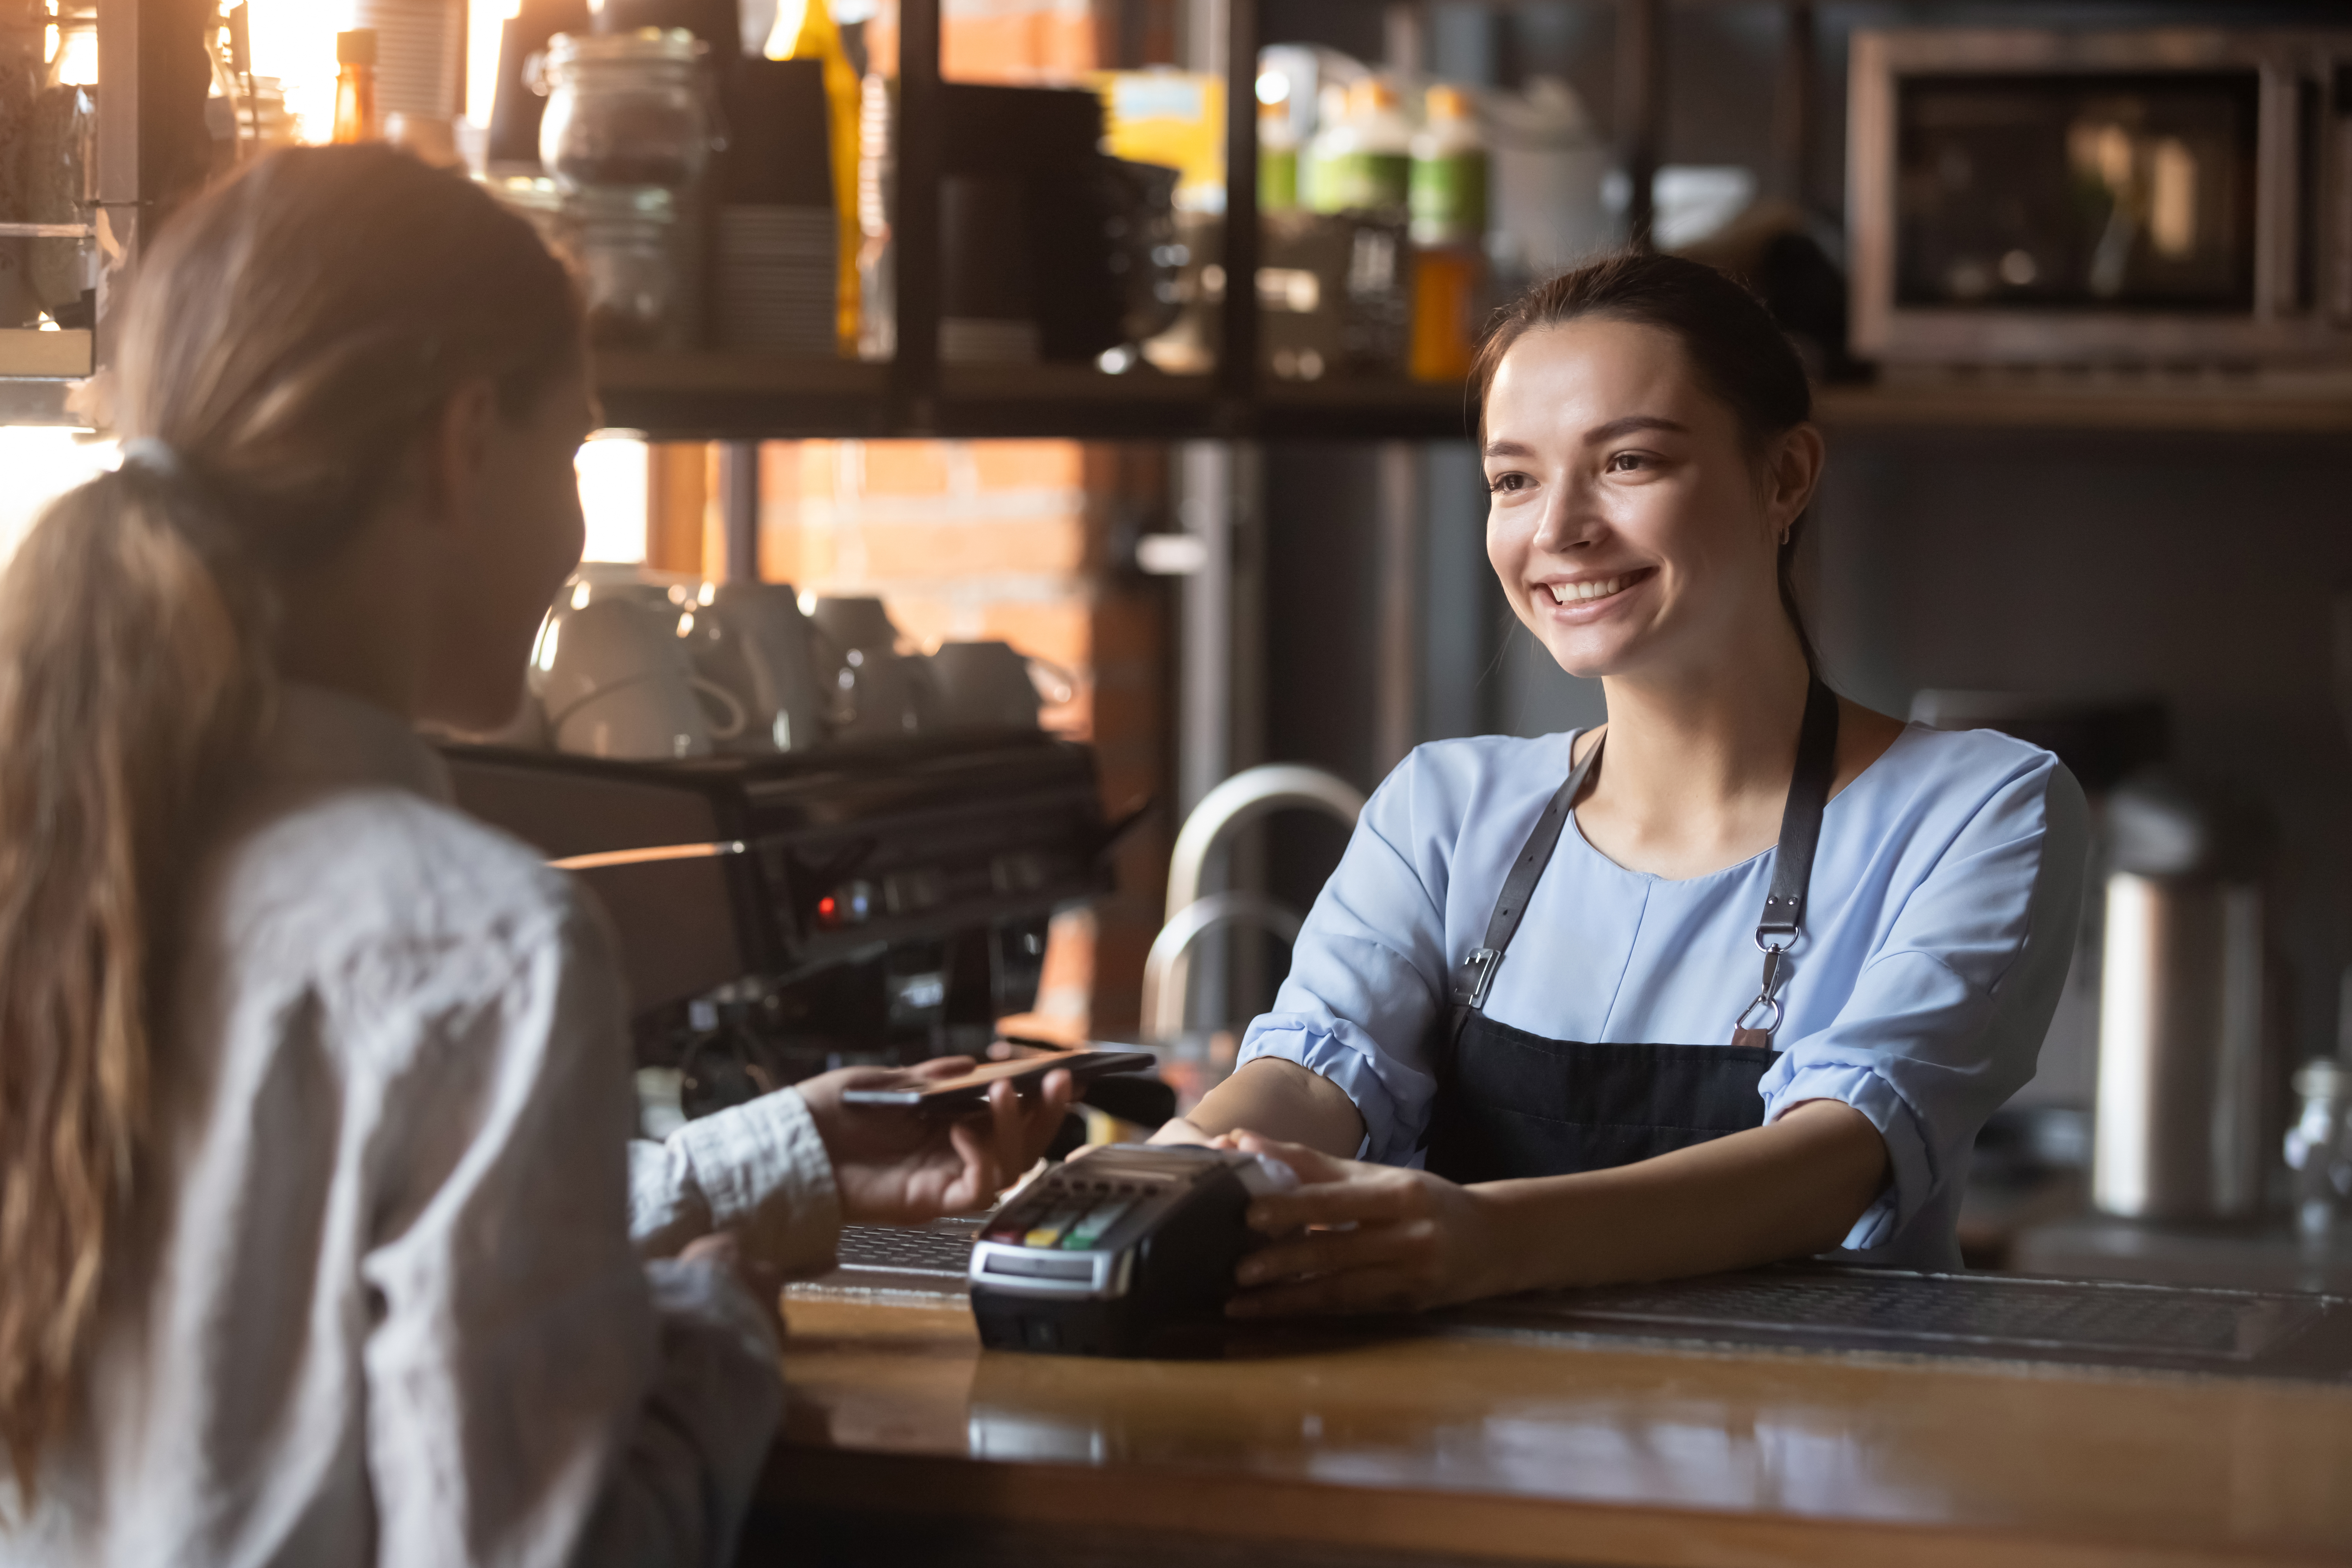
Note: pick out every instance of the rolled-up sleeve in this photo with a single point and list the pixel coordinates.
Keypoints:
(759, 1169)
(1367, 976)
(1947, 1016)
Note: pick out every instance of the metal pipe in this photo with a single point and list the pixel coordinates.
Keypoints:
(1237, 341)
(1404, 581)
(1641, 111)
(121, 195)
(915, 226)
(739, 490)
(1164, 990)
(1244, 799)
(1795, 106)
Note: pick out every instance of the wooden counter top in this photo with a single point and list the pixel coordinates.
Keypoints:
(1317, 1447)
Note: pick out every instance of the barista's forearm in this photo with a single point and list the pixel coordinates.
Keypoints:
(1786, 1190)
(1278, 1099)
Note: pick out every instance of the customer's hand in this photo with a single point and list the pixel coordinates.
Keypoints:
(1354, 1238)
(897, 1165)
(765, 1284)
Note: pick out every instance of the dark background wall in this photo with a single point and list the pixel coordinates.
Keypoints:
(2199, 570)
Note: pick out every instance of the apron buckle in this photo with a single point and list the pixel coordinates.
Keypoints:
(1482, 964)
(1739, 1025)
(1764, 997)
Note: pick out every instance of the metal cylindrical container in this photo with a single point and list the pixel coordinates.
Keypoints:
(2179, 1113)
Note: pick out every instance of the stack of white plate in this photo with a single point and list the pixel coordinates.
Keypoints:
(978, 341)
(776, 277)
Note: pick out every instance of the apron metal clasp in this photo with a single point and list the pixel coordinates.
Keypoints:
(1482, 964)
(1764, 996)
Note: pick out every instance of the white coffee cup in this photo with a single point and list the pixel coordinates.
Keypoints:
(615, 680)
(992, 685)
(758, 647)
(885, 697)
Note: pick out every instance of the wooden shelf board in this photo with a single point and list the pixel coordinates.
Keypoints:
(722, 394)
(1047, 401)
(2312, 405)
(58, 356)
(27, 401)
(1366, 411)
(730, 394)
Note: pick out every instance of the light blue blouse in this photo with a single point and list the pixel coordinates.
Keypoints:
(1937, 931)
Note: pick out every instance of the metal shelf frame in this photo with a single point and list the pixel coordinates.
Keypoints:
(44, 394)
(746, 397)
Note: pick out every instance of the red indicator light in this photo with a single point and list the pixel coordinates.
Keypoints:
(825, 908)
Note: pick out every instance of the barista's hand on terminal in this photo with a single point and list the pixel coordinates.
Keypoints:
(892, 1166)
(1355, 1237)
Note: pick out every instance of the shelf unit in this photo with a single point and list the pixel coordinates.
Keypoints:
(742, 397)
(739, 397)
(39, 370)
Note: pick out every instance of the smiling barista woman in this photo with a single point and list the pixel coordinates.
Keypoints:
(1744, 990)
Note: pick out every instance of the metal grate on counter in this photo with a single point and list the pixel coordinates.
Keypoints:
(2100, 1323)
(940, 1251)
(1808, 1307)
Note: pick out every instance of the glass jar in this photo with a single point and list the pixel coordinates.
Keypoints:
(2319, 1145)
(635, 264)
(626, 110)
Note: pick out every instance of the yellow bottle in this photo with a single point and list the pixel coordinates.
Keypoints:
(1449, 232)
(809, 33)
(355, 118)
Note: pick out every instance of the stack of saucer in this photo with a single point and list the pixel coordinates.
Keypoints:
(775, 275)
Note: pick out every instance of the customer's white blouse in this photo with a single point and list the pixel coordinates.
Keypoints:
(1937, 929)
(391, 1291)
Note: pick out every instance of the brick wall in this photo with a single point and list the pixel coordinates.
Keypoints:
(1011, 41)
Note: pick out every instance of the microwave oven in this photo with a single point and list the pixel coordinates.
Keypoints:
(2157, 198)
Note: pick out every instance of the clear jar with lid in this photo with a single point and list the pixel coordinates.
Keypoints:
(2319, 1145)
(634, 258)
(626, 110)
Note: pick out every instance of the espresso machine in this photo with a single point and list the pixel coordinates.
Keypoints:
(778, 915)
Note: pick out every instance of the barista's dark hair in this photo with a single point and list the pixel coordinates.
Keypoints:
(1739, 353)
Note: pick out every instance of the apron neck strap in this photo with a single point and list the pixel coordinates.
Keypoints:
(1800, 820)
(1519, 884)
(1792, 862)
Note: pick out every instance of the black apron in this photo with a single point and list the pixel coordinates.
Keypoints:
(1511, 1104)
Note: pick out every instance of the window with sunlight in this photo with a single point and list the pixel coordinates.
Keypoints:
(43, 462)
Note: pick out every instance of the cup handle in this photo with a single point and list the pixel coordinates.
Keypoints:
(558, 718)
(830, 657)
(740, 715)
(1064, 686)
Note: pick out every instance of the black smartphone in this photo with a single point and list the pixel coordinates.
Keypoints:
(968, 1090)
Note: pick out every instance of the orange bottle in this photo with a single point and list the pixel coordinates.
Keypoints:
(355, 119)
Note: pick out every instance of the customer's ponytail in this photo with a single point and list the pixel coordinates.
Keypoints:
(129, 674)
(290, 339)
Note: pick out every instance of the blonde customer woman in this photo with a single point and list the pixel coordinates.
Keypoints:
(322, 1238)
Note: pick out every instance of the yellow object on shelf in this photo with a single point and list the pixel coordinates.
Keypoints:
(811, 35)
(1449, 306)
(355, 114)
(1175, 118)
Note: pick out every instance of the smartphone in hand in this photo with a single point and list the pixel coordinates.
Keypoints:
(968, 1090)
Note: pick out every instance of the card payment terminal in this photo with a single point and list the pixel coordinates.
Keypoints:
(1128, 1252)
